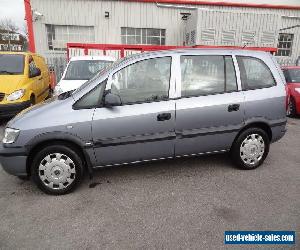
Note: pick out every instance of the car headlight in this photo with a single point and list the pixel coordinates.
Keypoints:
(297, 90)
(10, 135)
(16, 95)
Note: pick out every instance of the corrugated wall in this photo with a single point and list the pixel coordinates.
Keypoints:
(139, 15)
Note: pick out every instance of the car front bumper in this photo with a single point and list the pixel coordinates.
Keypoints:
(10, 110)
(13, 160)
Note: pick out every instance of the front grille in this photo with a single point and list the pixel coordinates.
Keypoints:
(1, 96)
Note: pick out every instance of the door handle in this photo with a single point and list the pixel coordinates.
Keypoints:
(164, 116)
(233, 107)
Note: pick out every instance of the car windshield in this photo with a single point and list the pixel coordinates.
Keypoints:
(292, 75)
(85, 69)
(11, 64)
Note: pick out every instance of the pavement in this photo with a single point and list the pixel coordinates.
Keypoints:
(175, 204)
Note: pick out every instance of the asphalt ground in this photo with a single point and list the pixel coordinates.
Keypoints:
(185, 203)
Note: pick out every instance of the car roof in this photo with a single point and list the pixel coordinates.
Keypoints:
(18, 53)
(194, 51)
(102, 58)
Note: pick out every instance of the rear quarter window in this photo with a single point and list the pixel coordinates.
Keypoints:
(255, 74)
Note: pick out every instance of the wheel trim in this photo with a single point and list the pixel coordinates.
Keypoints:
(252, 149)
(57, 171)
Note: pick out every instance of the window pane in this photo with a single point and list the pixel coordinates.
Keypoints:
(202, 75)
(144, 81)
(130, 31)
(123, 31)
(254, 73)
(92, 99)
(230, 74)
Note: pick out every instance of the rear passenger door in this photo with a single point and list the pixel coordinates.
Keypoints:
(210, 110)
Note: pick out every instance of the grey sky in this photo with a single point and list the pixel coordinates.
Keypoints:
(13, 9)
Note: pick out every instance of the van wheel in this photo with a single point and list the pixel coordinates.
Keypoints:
(292, 108)
(32, 100)
(57, 169)
(250, 149)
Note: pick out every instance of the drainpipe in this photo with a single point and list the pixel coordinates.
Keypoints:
(28, 17)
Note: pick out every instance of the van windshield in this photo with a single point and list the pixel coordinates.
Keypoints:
(11, 64)
(84, 69)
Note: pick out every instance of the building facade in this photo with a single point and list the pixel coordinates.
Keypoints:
(233, 22)
(11, 41)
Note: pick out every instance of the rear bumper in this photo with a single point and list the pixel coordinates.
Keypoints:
(10, 110)
(13, 160)
(278, 132)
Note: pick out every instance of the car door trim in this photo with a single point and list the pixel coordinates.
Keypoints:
(134, 139)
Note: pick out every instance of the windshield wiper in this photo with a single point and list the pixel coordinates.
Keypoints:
(6, 72)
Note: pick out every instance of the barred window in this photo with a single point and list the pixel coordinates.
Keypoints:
(59, 35)
(285, 44)
(143, 36)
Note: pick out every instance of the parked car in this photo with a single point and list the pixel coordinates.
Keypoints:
(79, 70)
(24, 81)
(292, 77)
(151, 106)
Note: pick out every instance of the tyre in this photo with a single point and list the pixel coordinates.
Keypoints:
(32, 100)
(250, 148)
(23, 178)
(292, 108)
(57, 169)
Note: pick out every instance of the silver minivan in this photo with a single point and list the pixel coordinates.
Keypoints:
(151, 106)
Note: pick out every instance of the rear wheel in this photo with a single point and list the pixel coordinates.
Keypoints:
(250, 148)
(57, 169)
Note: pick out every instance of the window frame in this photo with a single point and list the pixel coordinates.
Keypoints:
(139, 33)
(236, 72)
(287, 50)
(262, 61)
(171, 89)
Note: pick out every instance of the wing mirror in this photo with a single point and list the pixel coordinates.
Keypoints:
(111, 100)
(34, 72)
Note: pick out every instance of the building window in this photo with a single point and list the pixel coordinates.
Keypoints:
(285, 44)
(59, 35)
(143, 36)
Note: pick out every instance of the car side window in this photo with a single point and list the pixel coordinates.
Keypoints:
(230, 78)
(255, 73)
(92, 99)
(143, 81)
(32, 65)
(206, 75)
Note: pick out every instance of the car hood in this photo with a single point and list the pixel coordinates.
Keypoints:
(294, 85)
(32, 112)
(67, 85)
(10, 83)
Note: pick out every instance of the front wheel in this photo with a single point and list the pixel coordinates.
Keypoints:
(250, 148)
(291, 108)
(57, 169)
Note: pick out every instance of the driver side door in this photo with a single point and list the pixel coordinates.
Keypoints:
(143, 127)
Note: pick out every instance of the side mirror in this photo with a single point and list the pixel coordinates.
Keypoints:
(111, 100)
(34, 72)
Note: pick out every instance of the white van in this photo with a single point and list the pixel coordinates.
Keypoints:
(79, 70)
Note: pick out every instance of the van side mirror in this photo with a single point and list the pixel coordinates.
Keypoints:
(34, 72)
(111, 100)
